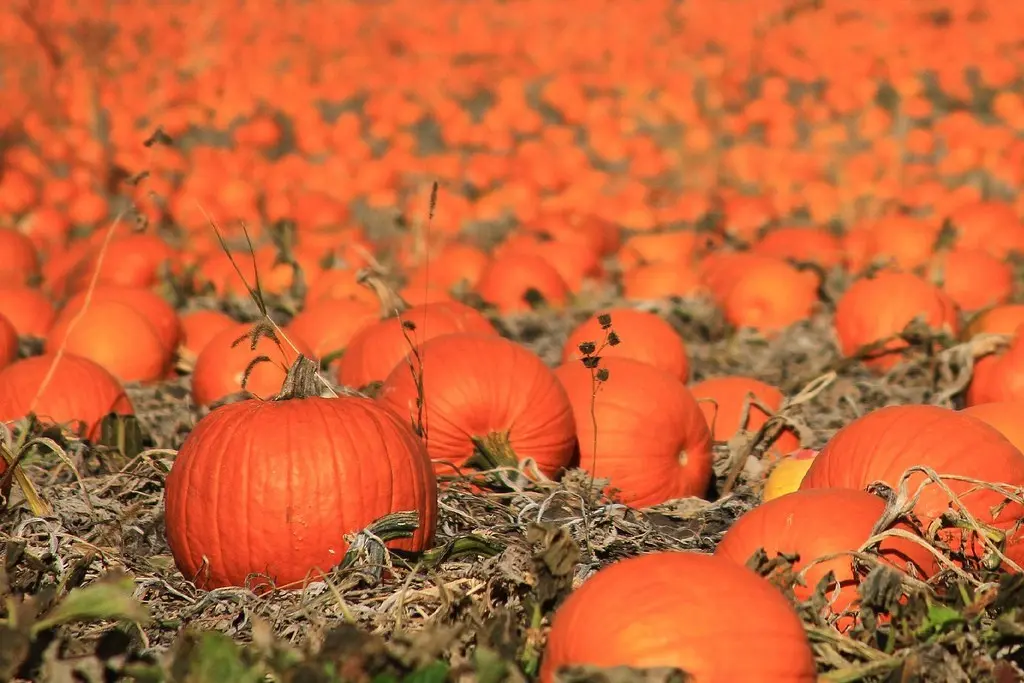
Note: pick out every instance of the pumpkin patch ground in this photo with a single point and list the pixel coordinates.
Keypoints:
(407, 341)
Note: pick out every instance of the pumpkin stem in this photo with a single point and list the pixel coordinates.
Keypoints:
(492, 452)
(391, 303)
(301, 381)
(369, 545)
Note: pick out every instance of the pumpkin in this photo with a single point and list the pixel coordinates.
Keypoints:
(726, 401)
(117, 336)
(788, 472)
(770, 296)
(28, 309)
(1000, 376)
(272, 487)
(376, 349)
(8, 342)
(644, 336)
(1002, 319)
(20, 261)
(160, 314)
(973, 278)
(220, 367)
(509, 279)
(812, 524)
(678, 609)
(873, 309)
(651, 440)
(77, 391)
(883, 444)
(198, 328)
(661, 281)
(483, 394)
(810, 245)
(327, 326)
(1004, 416)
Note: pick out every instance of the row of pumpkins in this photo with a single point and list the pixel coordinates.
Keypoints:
(271, 487)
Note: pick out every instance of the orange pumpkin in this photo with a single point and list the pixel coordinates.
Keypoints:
(999, 376)
(628, 614)
(873, 309)
(247, 495)
(328, 325)
(483, 393)
(117, 336)
(77, 391)
(1004, 319)
(199, 327)
(510, 279)
(28, 309)
(160, 314)
(220, 366)
(725, 400)
(643, 336)
(374, 351)
(651, 440)
(810, 245)
(770, 296)
(1004, 416)
(883, 444)
(8, 342)
(813, 524)
(973, 278)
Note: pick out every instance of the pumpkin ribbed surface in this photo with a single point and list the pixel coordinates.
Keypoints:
(681, 609)
(272, 487)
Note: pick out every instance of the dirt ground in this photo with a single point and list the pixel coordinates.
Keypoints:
(475, 608)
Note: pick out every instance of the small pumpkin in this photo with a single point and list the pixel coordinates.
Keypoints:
(510, 280)
(874, 309)
(770, 296)
(651, 440)
(733, 404)
(328, 325)
(78, 392)
(198, 328)
(1004, 416)
(1003, 319)
(628, 614)
(999, 376)
(160, 314)
(643, 336)
(485, 399)
(272, 487)
(220, 367)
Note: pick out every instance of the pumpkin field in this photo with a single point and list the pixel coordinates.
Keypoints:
(393, 341)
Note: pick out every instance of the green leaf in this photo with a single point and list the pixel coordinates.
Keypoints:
(940, 619)
(436, 672)
(107, 598)
(212, 657)
(490, 667)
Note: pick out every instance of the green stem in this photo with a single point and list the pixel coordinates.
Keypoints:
(492, 452)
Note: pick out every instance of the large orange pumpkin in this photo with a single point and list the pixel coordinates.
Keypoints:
(679, 609)
(483, 393)
(812, 524)
(78, 391)
(883, 444)
(272, 488)
(642, 336)
(724, 400)
(651, 440)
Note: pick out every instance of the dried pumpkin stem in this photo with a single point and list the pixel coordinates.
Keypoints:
(301, 381)
(369, 542)
(391, 303)
(492, 452)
